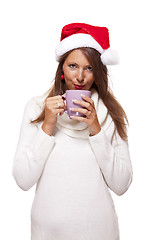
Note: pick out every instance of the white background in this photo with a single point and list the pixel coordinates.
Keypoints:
(29, 31)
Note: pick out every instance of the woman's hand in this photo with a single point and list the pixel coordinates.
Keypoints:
(53, 106)
(89, 111)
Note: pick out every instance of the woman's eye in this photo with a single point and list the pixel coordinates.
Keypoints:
(72, 65)
(89, 68)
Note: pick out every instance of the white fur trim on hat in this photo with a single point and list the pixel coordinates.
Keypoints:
(76, 41)
(110, 57)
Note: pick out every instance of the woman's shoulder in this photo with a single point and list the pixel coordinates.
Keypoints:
(35, 105)
(36, 102)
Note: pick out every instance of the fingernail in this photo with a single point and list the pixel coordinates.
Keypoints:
(74, 100)
(82, 95)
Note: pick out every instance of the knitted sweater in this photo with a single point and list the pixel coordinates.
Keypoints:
(74, 173)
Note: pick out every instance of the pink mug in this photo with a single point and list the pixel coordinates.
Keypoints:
(76, 95)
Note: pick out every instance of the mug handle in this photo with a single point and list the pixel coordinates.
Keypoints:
(64, 97)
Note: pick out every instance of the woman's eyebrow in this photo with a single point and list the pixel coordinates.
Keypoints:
(72, 62)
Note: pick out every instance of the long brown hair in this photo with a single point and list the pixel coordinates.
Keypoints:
(101, 84)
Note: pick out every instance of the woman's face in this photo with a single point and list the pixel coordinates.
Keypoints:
(78, 73)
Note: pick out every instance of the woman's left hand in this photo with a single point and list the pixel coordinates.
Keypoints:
(89, 111)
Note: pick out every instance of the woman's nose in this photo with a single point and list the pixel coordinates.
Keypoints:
(80, 75)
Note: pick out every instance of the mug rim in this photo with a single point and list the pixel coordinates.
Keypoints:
(78, 90)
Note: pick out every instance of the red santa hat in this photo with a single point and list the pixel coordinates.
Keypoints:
(77, 35)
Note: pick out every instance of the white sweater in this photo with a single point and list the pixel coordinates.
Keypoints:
(73, 177)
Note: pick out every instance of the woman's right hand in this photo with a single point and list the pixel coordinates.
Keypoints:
(53, 106)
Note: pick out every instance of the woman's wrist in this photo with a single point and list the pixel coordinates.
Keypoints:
(47, 128)
(95, 131)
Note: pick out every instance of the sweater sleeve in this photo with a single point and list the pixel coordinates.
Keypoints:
(113, 160)
(33, 149)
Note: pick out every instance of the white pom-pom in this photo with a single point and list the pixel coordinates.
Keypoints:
(110, 57)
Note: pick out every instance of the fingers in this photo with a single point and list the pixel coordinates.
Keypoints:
(89, 111)
(80, 119)
(84, 104)
(84, 111)
(88, 103)
(59, 105)
(57, 97)
(59, 111)
(87, 99)
(55, 102)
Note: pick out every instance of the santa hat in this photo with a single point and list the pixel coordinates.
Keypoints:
(77, 35)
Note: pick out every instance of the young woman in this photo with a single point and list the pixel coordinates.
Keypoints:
(75, 162)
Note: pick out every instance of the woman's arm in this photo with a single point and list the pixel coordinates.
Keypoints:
(113, 160)
(33, 149)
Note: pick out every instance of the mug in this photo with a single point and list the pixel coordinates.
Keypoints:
(71, 95)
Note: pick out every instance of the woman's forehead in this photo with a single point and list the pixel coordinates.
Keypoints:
(77, 55)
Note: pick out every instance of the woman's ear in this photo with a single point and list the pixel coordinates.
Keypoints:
(62, 75)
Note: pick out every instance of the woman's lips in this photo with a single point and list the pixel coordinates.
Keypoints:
(79, 87)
